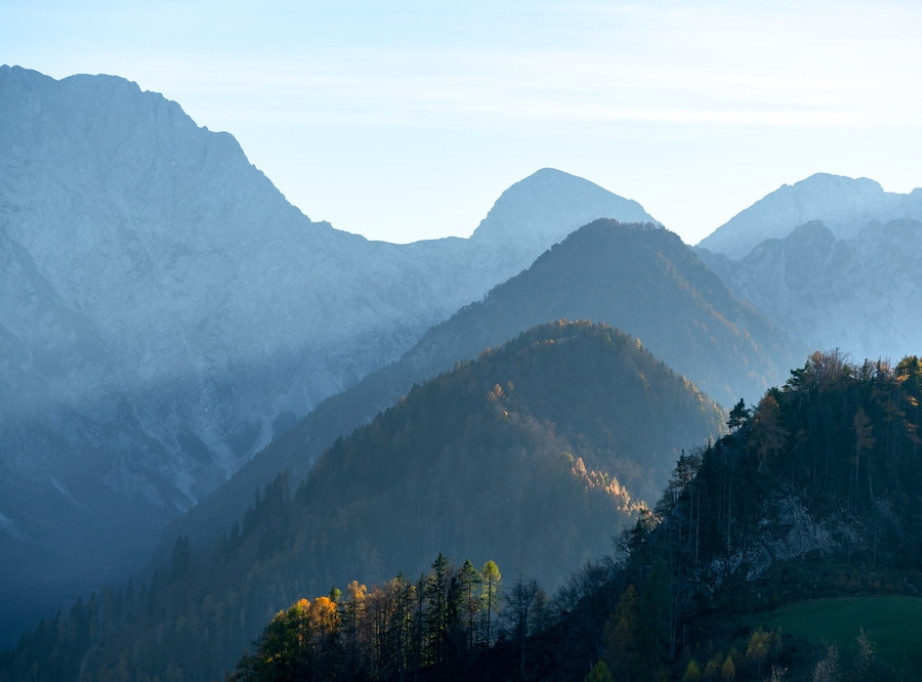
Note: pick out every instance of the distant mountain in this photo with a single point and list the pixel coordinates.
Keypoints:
(527, 456)
(639, 278)
(165, 313)
(845, 205)
(643, 280)
(529, 214)
(853, 294)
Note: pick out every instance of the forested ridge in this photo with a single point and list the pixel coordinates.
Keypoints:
(465, 500)
(532, 456)
(813, 494)
(638, 278)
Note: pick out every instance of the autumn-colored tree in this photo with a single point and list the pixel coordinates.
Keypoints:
(692, 672)
(712, 669)
(355, 633)
(762, 646)
(728, 670)
(768, 435)
(490, 586)
(599, 673)
(324, 622)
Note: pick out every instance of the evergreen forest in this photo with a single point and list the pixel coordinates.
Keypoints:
(812, 495)
(533, 456)
(526, 552)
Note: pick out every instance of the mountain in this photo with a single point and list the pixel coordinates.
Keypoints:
(527, 456)
(643, 280)
(809, 504)
(845, 205)
(853, 294)
(541, 204)
(788, 549)
(831, 260)
(639, 278)
(165, 313)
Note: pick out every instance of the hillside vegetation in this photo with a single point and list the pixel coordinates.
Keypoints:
(813, 494)
(531, 456)
(888, 623)
(638, 278)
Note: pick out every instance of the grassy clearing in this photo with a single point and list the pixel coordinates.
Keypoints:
(893, 624)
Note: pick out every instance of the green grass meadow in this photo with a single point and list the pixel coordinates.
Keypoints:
(893, 625)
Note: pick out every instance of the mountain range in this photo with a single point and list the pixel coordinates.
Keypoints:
(165, 313)
(787, 549)
(636, 277)
(531, 455)
(832, 260)
(167, 318)
(845, 205)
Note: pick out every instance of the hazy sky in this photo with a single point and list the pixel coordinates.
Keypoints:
(405, 120)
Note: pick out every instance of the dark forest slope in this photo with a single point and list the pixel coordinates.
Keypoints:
(811, 502)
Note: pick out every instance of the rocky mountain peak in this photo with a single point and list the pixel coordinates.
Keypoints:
(844, 204)
(548, 205)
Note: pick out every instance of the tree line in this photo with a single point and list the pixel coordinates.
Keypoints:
(400, 629)
(819, 477)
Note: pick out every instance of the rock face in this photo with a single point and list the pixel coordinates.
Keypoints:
(855, 294)
(845, 205)
(832, 260)
(165, 312)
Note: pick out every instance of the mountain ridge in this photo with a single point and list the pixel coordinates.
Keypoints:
(166, 312)
(494, 437)
(834, 292)
(844, 204)
(787, 548)
(601, 272)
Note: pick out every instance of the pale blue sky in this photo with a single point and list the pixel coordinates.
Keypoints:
(405, 120)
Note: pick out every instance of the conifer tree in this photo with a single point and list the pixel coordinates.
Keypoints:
(470, 580)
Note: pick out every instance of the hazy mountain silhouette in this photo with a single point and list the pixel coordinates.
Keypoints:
(639, 278)
(165, 313)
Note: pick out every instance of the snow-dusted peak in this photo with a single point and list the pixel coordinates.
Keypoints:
(845, 205)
